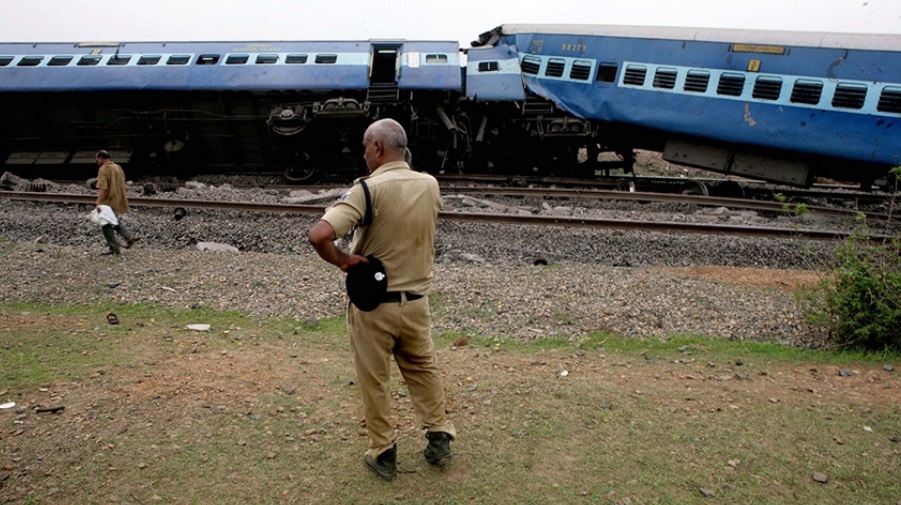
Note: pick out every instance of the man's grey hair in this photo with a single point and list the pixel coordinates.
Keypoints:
(390, 133)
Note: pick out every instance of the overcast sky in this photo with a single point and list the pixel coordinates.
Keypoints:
(462, 20)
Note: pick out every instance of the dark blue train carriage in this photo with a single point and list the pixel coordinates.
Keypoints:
(780, 106)
(184, 107)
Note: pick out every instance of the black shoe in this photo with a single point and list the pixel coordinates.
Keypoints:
(131, 242)
(385, 466)
(438, 452)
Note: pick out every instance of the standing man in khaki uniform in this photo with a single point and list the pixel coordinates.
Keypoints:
(404, 210)
(111, 192)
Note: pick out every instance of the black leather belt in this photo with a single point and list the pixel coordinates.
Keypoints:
(395, 296)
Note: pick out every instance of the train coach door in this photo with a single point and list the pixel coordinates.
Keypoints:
(383, 72)
(383, 68)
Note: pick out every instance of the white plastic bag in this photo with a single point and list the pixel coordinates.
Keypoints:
(103, 215)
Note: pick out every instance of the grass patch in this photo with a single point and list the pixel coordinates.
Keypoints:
(267, 411)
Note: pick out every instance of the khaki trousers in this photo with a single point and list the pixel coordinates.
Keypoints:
(404, 331)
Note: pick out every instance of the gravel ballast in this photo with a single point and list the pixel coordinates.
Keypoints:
(490, 280)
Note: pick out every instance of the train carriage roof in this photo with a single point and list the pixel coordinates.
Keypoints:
(864, 41)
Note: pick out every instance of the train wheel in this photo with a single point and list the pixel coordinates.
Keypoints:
(300, 169)
(306, 174)
(693, 187)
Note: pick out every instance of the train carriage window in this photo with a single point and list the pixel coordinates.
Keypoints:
(731, 85)
(326, 58)
(178, 59)
(849, 96)
(665, 78)
(696, 81)
(266, 59)
(436, 59)
(296, 59)
(531, 65)
(607, 72)
(89, 61)
(488, 66)
(119, 60)
(767, 88)
(635, 75)
(149, 60)
(30, 61)
(237, 59)
(581, 70)
(806, 92)
(59, 61)
(555, 67)
(890, 100)
(5, 60)
(207, 59)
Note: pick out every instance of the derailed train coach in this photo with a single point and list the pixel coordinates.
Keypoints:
(186, 107)
(530, 99)
(780, 106)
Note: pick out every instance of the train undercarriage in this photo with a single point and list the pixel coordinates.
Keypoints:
(304, 137)
(308, 137)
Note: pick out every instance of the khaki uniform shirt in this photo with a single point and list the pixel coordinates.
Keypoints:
(405, 207)
(111, 178)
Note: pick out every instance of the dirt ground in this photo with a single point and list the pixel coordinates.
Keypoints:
(783, 280)
(175, 376)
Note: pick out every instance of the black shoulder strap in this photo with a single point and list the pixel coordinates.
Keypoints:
(367, 218)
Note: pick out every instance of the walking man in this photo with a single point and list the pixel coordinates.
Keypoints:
(111, 192)
(402, 209)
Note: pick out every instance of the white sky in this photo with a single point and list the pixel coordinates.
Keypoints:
(462, 20)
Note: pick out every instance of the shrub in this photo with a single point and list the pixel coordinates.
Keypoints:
(859, 302)
(861, 299)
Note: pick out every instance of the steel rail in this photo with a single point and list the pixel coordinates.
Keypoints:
(594, 191)
(742, 203)
(606, 194)
(495, 218)
(736, 203)
(750, 186)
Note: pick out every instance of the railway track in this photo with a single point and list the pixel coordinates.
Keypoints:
(598, 193)
(713, 187)
(738, 203)
(479, 217)
(722, 188)
(677, 185)
(605, 194)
